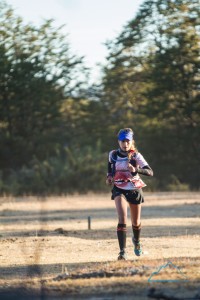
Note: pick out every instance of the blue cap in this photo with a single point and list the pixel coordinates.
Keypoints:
(125, 135)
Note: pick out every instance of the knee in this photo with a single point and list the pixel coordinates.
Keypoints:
(136, 225)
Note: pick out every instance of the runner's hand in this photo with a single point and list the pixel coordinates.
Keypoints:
(109, 180)
(131, 168)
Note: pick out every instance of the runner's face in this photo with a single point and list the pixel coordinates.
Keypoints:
(125, 145)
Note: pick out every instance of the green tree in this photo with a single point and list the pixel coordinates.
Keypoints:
(37, 74)
(151, 82)
(174, 99)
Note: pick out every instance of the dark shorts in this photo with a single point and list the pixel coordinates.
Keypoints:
(132, 196)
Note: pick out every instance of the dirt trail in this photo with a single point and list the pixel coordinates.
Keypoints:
(43, 238)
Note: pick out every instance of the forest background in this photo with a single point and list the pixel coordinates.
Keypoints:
(56, 130)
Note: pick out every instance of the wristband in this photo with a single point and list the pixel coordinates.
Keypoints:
(109, 175)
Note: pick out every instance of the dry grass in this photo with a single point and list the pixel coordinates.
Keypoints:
(48, 251)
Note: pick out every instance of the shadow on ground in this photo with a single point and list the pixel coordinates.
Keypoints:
(148, 212)
(103, 234)
(113, 288)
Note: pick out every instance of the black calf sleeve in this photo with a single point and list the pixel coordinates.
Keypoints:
(136, 232)
(121, 234)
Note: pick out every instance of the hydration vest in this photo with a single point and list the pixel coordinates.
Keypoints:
(114, 160)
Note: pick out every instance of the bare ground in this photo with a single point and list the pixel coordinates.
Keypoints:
(47, 251)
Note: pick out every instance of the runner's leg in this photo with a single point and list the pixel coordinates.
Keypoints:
(135, 210)
(121, 207)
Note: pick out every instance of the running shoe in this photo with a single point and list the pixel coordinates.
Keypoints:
(122, 255)
(137, 247)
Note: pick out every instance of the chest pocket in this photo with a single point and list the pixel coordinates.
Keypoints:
(133, 162)
(114, 159)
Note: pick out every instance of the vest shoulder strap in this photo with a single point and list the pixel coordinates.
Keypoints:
(113, 161)
(114, 156)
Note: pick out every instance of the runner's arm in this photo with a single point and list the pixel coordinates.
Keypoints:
(143, 167)
(146, 170)
(109, 169)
